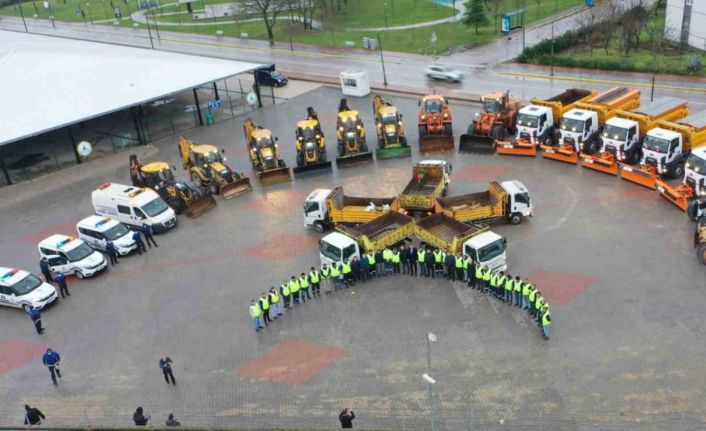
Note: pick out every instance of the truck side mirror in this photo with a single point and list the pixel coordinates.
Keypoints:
(276, 138)
(419, 103)
(223, 150)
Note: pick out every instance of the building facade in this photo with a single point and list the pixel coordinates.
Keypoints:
(685, 22)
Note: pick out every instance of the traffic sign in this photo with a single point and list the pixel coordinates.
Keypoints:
(214, 105)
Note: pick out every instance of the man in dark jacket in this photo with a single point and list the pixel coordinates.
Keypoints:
(44, 267)
(346, 417)
(33, 416)
(355, 270)
(36, 317)
(412, 260)
(112, 253)
(147, 232)
(364, 268)
(429, 262)
(172, 422)
(63, 288)
(139, 417)
(404, 259)
(137, 237)
(52, 359)
(165, 364)
(380, 263)
(450, 264)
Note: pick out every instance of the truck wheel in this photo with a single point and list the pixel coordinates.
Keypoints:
(177, 205)
(515, 218)
(448, 130)
(214, 187)
(472, 128)
(319, 227)
(281, 163)
(445, 191)
(634, 157)
(701, 253)
(300, 160)
(497, 132)
(677, 171)
(341, 150)
(422, 131)
(403, 141)
(692, 209)
(364, 148)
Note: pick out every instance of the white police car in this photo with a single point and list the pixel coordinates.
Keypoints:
(67, 255)
(22, 289)
(97, 231)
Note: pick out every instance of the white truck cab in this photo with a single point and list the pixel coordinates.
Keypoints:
(67, 255)
(488, 249)
(579, 128)
(695, 172)
(535, 124)
(520, 203)
(662, 149)
(337, 247)
(22, 289)
(133, 206)
(97, 231)
(316, 210)
(621, 137)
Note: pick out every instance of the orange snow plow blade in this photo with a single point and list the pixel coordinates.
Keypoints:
(604, 162)
(521, 147)
(679, 195)
(644, 175)
(563, 153)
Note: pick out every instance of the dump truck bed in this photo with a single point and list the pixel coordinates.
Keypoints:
(664, 108)
(563, 102)
(476, 206)
(607, 104)
(446, 233)
(692, 128)
(356, 210)
(382, 232)
(422, 195)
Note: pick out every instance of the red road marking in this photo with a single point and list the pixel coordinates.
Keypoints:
(560, 288)
(480, 173)
(282, 247)
(15, 353)
(66, 228)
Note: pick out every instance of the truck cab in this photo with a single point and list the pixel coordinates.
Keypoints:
(337, 247)
(662, 149)
(579, 129)
(519, 205)
(316, 211)
(488, 249)
(621, 138)
(535, 124)
(695, 171)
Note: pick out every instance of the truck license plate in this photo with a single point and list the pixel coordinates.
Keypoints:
(589, 161)
(627, 169)
(661, 189)
(507, 146)
(550, 151)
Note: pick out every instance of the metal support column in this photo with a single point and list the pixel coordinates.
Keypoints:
(73, 146)
(198, 107)
(215, 91)
(256, 88)
(138, 127)
(5, 172)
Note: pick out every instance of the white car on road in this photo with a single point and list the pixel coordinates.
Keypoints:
(443, 72)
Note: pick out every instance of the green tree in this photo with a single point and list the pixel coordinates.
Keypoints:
(475, 14)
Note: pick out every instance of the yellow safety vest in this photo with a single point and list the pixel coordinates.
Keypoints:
(346, 268)
(303, 282)
(538, 302)
(325, 272)
(335, 272)
(438, 256)
(466, 262)
(494, 280)
(532, 294)
(294, 286)
(479, 272)
(387, 255)
(518, 285)
(525, 288)
(546, 319)
(508, 284)
(488, 276)
(459, 262)
(255, 311)
(265, 303)
(395, 257)
(420, 255)
(285, 289)
(314, 276)
(371, 259)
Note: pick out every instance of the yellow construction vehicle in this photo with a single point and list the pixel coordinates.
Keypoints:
(208, 169)
(350, 134)
(310, 145)
(700, 240)
(264, 154)
(392, 142)
(182, 197)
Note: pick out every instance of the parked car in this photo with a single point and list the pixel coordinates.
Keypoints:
(272, 78)
(441, 71)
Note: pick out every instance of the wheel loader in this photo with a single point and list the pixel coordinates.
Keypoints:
(310, 145)
(182, 197)
(435, 125)
(388, 123)
(264, 154)
(207, 168)
(496, 120)
(350, 135)
(700, 239)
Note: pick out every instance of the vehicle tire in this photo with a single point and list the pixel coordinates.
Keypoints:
(341, 150)
(634, 157)
(445, 191)
(281, 163)
(448, 130)
(450, 80)
(214, 187)
(403, 141)
(196, 179)
(322, 158)
(472, 128)
(364, 148)
(79, 274)
(515, 218)
(429, 76)
(177, 205)
(422, 131)
(319, 227)
(497, 132)
(677, 171)
(701, 253)
(692, 209)
(300, 160)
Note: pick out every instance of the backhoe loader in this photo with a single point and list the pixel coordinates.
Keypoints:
(350, 134)
(497, 119)
(264, 154)
(390, 130)
(207, 168)
(182, 197)
(310, 145)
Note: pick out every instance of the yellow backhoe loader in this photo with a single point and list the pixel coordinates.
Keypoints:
(392, 142)
(208, 169)
(264, 154)
(182, 197)
(350, 134)
(310, 145)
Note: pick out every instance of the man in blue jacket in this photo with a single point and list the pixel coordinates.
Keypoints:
(51, 359)
(36, 317)
(63, 288)
(147, 232)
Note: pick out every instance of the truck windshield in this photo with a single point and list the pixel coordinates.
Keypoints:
(495, 248)
(696, 164)
(528, 120)
(389, 118)
(348, 252)
(572, 124)
(26, 285)
(213, 157)
(491, 105)
(653, 143)
(308, 133)
(330, 251)
(155, 207)
(310, 206)
(432, 106)
(79, 253)
(115, 232)
(615, 132)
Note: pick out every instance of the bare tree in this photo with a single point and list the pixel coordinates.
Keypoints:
(586, 24)
(268, 10)
(632, 23)
(306, 10)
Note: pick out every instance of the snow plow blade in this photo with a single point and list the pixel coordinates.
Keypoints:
(393, 152)
(236, 188)
(645, 176)
(564, 153)
(516, 148)
(604, 162)
(201, 205)
(476, 144)
(274, 176)
(436, 144)
(354, 159)
(679, 195)
(314, 169)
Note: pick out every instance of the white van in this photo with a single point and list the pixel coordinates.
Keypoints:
(133, 206)
(67, 255)
(97, 231)
(22, 289)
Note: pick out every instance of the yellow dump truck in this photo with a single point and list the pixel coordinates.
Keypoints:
(325, 208)
(509, 201)
(441, 231)
(385, 231)
(428, 183)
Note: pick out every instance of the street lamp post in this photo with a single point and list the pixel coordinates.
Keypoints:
(431, 382)
(382, 61)
(147, 21)
(22, 14)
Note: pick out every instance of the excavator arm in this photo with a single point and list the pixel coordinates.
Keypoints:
(185, 151)
(135, 167)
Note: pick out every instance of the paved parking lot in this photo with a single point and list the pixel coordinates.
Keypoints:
(615, 261)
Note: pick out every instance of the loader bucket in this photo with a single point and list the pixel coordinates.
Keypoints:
(354, 159)
(516, 148)
(476, 144)
(602, 163)
(236, 188)
(274, 176)
(563, 153)
(393, 152)
(679, 195)
(436, 144)
(311, 170)
(201, 205)
(644, 175)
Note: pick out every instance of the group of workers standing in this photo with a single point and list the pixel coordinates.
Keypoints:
(424, 261)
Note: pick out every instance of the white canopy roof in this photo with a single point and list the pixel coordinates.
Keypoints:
(50, 82)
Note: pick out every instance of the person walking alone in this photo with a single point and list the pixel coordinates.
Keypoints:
(63, 289)
(346, 417)
(165, 364)
(36, 317)
(33, 416)
(52, 359)
(147, 232)
(139, 417)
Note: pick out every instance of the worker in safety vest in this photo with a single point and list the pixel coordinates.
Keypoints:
(487, 278)
(517, 287)
(315, 279)
(467, 268)
(459, 268)
(371, 264)
(265, 307)
(494, 277)
(546, 322)
(294, 290)
(509, 287)
(421, 256)
(531, 298)
(438, 260)
(325, 277)
(396, 259)
(304, 287)
(500, 285)
(477, 277)
(347, 271)
(387, 257)
(255, 315)
(541, 302)
(335, 276)
(286, 294)
(525, 294)
(275, 303)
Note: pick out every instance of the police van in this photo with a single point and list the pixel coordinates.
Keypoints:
(98, 231)
(133, 206)
(22, 289)
(67, 255)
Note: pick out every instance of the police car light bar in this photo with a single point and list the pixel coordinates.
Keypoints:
(9, 274)
(103, 221)
(64, 242)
